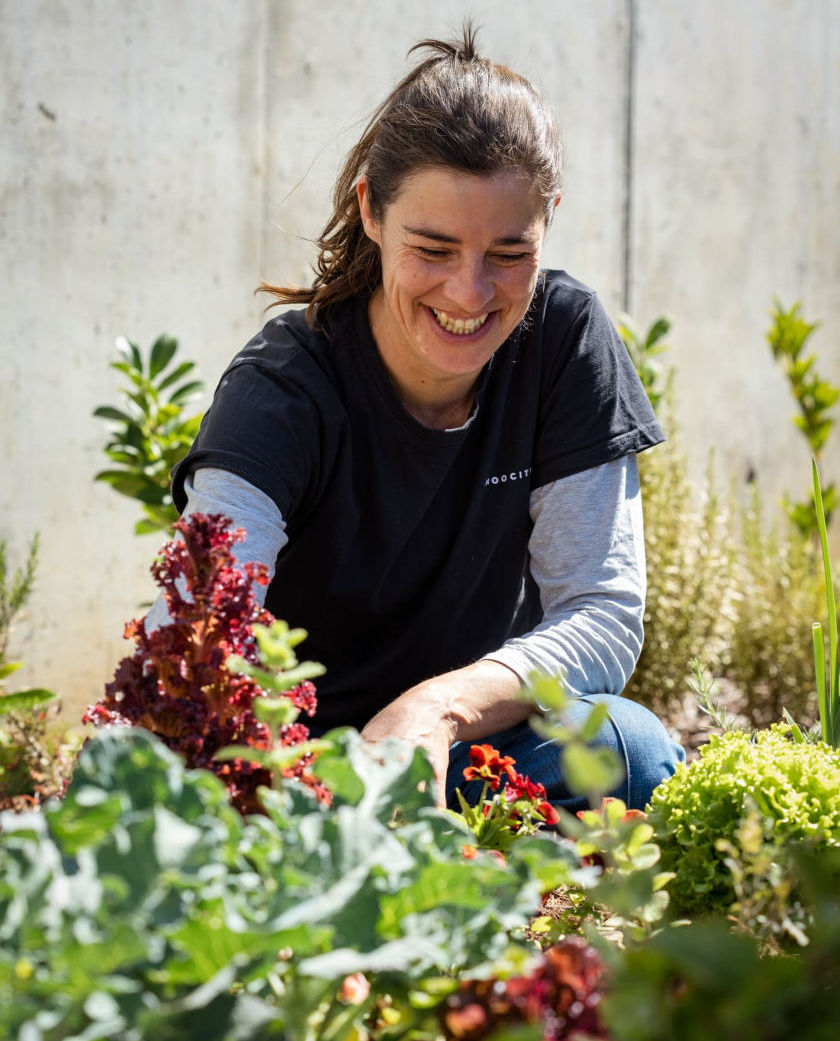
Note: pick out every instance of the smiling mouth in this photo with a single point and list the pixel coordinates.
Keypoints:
(459, 326)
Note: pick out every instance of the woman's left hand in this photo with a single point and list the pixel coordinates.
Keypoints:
(419, 717)
(464, 705)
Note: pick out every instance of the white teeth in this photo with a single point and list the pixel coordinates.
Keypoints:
(460, 326)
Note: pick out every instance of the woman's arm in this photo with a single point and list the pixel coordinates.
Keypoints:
(210, 490)
(587, 557)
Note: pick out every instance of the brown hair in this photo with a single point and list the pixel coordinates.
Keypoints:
(454, 109)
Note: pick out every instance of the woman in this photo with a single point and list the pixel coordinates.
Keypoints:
(437, 458)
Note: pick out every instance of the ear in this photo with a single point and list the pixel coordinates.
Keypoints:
(369, 222)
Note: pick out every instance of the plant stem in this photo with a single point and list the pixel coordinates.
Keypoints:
(830, 701)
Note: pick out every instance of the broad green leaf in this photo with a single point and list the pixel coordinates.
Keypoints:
(165, 513)
(123, 482)
(393, 956)
(125, 455)
(131, 352)
(591, 726)
(25, 700)
(590, 771)
(455, 884)
(659, 329)
(185, 392)
(86, 819)
(153, 527)
(107, 412)
(144, 399)
(177, 373)
(150, 493)
(394, 774)
(207, 1012)
(207, 944)
(161, 355)
(646, 856)
(190, 427)
(337, 773)
(546, 691)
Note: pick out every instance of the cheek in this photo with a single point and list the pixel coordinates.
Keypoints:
(519, 284)
(408, 277)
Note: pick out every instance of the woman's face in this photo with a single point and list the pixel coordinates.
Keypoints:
(460, 257)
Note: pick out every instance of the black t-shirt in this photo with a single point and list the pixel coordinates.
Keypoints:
(408, 546)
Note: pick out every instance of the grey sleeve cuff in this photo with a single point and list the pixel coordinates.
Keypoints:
(210, 490)
(588, 560)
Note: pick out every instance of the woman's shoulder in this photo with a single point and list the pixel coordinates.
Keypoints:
(571, 327)
(289, 350)
(559, 289)
(283, 340)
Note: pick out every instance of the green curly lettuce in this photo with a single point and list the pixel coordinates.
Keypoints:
(793, 787)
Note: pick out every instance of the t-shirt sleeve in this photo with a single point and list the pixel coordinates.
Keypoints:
(263, 426)
(593, 408)
(587, 555)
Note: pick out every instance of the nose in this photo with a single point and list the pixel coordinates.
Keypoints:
(470, 287)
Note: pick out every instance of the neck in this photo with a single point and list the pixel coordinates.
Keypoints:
(443, 403)
(439, 416)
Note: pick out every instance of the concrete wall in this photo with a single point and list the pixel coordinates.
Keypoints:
(158, 158)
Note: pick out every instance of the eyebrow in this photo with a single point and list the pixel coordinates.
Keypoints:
(438, 236)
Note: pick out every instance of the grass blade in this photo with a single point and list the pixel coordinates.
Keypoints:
(832, 708)
(819, 672)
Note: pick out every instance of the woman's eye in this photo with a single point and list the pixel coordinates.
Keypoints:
(510, 258)
(432, 254)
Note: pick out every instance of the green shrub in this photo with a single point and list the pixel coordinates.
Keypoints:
(792, 786)
(704, 981)
(779, 592)
(33, 757)
(815, 399)
(144, 906)
(150, 432)
(722, 583)
(690, 554)
(688, 544)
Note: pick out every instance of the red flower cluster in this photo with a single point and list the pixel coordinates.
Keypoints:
(523, 788)
(520, 805)
(561, 994)
(487, 764)
(176, 683)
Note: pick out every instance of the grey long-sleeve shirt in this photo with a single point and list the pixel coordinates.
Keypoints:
(587, 558)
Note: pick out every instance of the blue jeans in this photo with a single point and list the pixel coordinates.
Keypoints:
(634, 733)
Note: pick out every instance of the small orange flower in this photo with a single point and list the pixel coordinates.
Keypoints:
(548, 813)
(487, 764)
(354, 989)
(470, 1020)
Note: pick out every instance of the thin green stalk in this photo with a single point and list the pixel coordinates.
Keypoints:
(830, 704)
(819, 669)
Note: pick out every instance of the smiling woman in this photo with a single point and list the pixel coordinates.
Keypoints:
(436, 460)
(460, 257)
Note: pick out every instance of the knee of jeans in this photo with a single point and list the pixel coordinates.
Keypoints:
(655, 761)
(648, 753)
